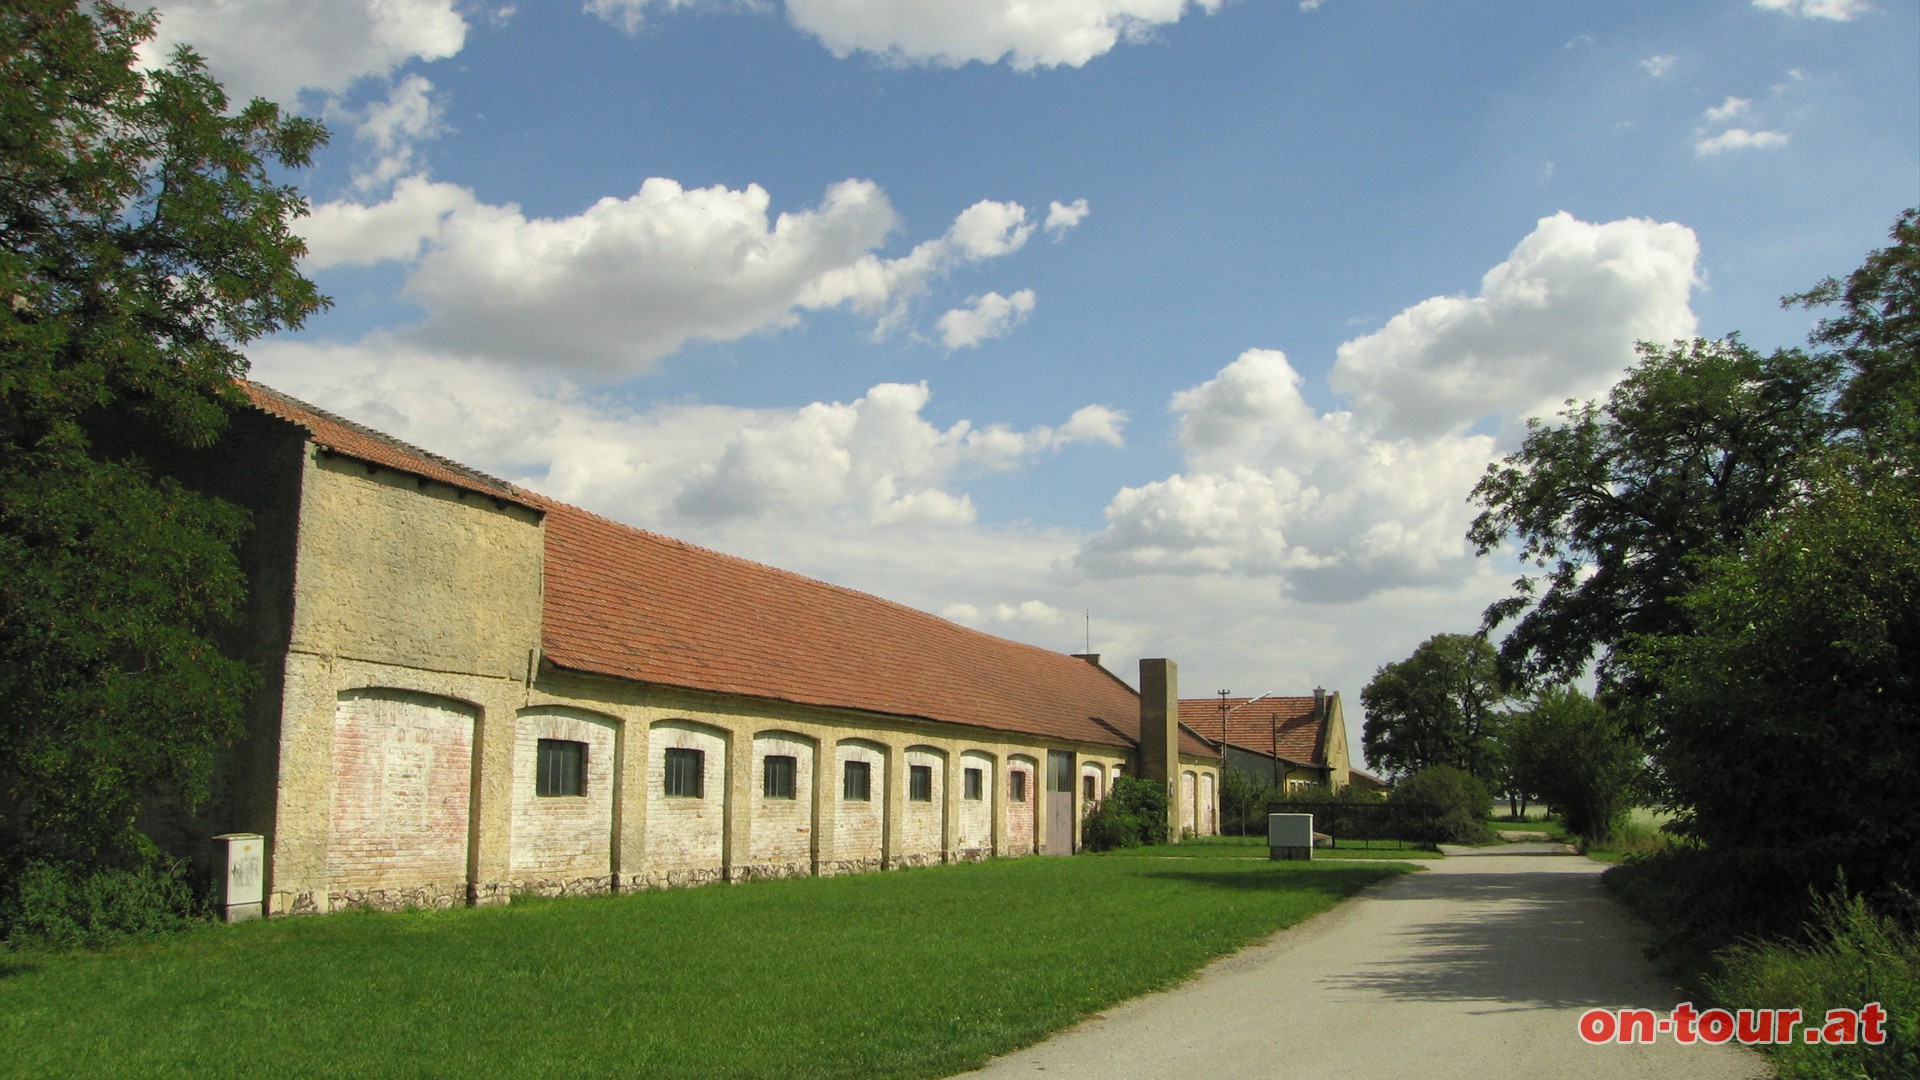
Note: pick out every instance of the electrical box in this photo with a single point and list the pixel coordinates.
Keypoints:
(1290, 836)
(240, 860)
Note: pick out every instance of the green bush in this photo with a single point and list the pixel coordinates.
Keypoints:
(1243, 803)
(1441, 805)
(1133, 813)
(1852, 956)
(62, 905)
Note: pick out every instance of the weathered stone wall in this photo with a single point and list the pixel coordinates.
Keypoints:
(402, 767)
(781, 829)
(1205, 811)
(400, 571)
(686, 834)
(412, 601)
(860, 827)
(923, 825)
(1022, 816)
(563, 844)
(1093, 787)
(973, 831)
(1189, 788)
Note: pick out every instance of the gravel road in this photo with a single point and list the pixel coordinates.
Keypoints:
(1476, 968)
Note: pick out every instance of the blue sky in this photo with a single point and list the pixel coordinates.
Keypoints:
(1200, 317)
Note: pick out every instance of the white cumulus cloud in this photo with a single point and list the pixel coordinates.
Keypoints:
(346, 233)
(394, 129)
(1738, 139)
(1064, 216)
(986, 317)
(1026, 34)
(876, 460)
(1339, 505)
(1557, 319)
(277, 48)
(1658, 66)
(627, 281)
(1837, 10)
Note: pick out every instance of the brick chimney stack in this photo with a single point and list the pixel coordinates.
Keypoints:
(1160, 732)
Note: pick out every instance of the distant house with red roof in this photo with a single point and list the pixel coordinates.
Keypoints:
(1290, 742)
(472, 690)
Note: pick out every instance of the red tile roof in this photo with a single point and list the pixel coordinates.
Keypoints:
(345, 437)
(636, 605)
(631, 604)
(1252, 724)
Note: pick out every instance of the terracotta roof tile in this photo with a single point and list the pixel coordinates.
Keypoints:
(624, 602)
(343, 436)
(1287, 726)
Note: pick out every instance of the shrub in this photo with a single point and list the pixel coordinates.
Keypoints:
(63, 905)
(1852, 956)
(1441, 805)
(1243, 803)
(1134, 813)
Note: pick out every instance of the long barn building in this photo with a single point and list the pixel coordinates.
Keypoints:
(471, 691)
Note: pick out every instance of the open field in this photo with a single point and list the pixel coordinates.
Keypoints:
(917, 973)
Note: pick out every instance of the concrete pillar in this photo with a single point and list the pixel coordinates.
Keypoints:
(895, 794)
(950, 807)
(630, 806)
(826, 802)
(1160, 732)
(737, 849)
(490, 819)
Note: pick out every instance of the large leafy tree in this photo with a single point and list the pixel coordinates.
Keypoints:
(1577, 755)
(1877, 333)
(1788, 720)
(1440, 706)
(143, 238)
(1621, 503)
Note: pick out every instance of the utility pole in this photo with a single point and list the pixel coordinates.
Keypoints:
(1220, 784)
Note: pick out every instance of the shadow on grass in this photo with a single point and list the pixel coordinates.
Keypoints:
(1341, 882)
(11, 966)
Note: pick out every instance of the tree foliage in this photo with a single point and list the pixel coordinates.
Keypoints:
(1441, 805)
(1734, 538)
(1243, 803)
(1789, 718)
(142, 239)
(1620, 503)
(1580, 757)
(1877, 333)
(1440, 706)
(1133, 814)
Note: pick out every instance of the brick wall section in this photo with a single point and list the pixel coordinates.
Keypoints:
(563, 844)
(973, 837)
(782, 829)
(923, 824)
(859, 836)
(402, 789)
(686, 837)
(1020, 815)
(1189, 788)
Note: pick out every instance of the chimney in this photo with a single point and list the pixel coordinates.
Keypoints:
(1320, 701)
(1160, 732)
(1090, 657)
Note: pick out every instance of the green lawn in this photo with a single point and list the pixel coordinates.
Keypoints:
(1255, 847)
(918, 973)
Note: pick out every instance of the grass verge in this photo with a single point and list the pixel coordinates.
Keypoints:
(1255, 847)
(919, 973)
